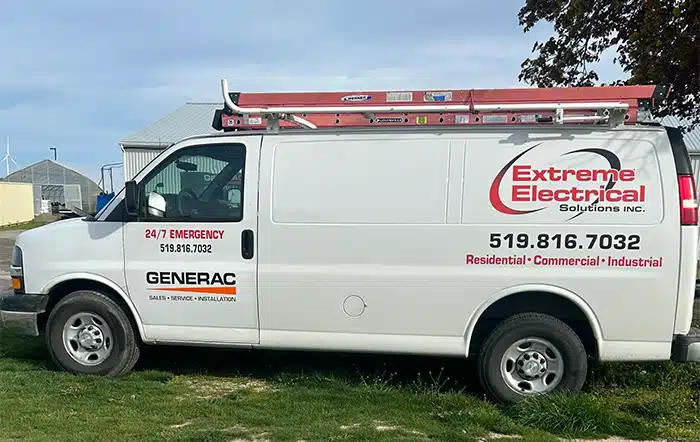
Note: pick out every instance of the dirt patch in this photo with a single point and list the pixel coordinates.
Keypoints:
(383, 427)
(260, 437)
(250, 440)
(611, 439)
(212, 388)
(398, 429)
(515, 437)
(497, 436)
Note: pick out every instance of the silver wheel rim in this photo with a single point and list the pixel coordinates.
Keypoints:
(532, 366)
(87, 338)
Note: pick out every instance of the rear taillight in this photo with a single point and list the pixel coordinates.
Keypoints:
(688, 197)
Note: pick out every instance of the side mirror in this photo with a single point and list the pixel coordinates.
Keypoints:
(156, 205)
(234, 196)
(131, 197)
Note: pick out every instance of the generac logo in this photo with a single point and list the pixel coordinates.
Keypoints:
(193, 282)
(583, 187)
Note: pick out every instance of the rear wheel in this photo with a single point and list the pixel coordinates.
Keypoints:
(531, 354)
(89, 333)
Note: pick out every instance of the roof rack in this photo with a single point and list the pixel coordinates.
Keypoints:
(612, 105)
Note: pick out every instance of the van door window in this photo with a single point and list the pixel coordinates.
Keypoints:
(200, 183)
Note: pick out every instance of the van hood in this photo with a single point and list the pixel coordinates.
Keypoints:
(47, 231)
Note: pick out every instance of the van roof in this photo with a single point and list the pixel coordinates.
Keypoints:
(428, 129)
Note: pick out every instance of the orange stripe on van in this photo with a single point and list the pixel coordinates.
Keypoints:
(212, 290)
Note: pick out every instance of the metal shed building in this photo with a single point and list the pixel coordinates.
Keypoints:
(143, 146)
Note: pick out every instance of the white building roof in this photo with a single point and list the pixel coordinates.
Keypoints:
(186, 121)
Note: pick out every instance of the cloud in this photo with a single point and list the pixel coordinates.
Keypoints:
(81, 75)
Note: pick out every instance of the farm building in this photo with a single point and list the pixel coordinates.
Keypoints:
(17, 203)
(143, 146)
(54, 182)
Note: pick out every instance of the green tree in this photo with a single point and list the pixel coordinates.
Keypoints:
(656, 42)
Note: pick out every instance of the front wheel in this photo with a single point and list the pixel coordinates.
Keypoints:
(89, 333)
(531, 354)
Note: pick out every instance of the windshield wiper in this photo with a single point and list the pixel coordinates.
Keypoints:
(83, 214)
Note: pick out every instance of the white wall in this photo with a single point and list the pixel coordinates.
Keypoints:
(137, 159)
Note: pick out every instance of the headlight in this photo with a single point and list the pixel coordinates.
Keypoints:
(17, 270)
(16, 261)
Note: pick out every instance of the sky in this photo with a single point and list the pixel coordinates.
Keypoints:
(81, 75)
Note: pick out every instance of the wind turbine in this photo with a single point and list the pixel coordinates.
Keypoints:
(7, 158)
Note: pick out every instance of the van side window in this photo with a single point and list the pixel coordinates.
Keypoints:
(199, 183)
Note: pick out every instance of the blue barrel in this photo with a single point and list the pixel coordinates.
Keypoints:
(103, 199)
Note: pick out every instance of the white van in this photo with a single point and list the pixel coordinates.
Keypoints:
(531, 243)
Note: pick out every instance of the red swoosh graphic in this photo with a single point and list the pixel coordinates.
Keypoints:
(495, 190)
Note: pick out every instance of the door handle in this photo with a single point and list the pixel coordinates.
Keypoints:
(247, 244)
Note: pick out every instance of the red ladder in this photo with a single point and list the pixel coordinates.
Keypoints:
(613, 105)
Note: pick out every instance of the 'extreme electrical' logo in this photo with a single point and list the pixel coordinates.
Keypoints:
(577, 190)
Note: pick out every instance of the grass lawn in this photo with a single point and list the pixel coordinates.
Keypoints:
(36, 222)
(221, 395)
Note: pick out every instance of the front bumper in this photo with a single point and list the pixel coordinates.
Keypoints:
(686, 348)
(20, 313)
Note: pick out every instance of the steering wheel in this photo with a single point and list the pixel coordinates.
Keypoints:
(228, 204)
(188, 190)
(182, 197)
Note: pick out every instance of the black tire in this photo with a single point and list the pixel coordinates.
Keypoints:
(124, 343)
(522, 326)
